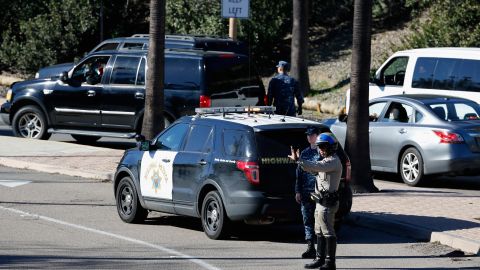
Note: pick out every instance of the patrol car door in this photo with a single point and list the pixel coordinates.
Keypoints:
(156, 171)
(192, 167)
(76, 102)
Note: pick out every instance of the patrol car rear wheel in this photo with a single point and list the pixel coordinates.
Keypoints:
(214, 219)
(128, 206)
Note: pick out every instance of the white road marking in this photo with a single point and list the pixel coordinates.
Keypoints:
(13, 183)
(174, 253)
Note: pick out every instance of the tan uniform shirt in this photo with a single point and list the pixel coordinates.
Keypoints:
(329, 172)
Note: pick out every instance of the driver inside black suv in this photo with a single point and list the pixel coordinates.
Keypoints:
(91, 71)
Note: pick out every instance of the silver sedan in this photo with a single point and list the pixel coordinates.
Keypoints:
(420, 135)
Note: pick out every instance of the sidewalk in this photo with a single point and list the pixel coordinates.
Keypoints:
(427, 214)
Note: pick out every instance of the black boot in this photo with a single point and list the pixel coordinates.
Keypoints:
(320, 259)
(310, 252)
(331, 243)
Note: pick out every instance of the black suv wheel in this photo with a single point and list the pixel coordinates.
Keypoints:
(30, 122)
(214, 219)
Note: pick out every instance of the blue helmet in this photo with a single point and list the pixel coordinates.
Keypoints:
(327, 140)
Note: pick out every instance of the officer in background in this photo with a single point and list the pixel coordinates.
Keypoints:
(281, 92)
(329, 171)
(304, 186)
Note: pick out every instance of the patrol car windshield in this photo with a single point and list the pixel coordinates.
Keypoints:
(231, 73)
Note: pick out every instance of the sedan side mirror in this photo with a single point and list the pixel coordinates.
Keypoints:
(342, 117)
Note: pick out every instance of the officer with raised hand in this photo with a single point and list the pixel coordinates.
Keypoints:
(329, 171)
(304, 186)
(282, 90)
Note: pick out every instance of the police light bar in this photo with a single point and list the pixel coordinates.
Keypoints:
(249, 109)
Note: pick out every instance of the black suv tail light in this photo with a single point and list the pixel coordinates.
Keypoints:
(251, 171)
(348, 171)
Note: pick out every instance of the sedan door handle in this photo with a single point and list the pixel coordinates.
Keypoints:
(166, 160)
(139, 95)
(202, 162)
(402, 131)
(91, 93)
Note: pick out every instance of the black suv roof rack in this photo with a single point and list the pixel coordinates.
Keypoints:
(225, 110)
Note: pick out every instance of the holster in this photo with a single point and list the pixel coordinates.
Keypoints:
(325, 199)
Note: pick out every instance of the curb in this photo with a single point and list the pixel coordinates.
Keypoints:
(13, 163)
(414, 231)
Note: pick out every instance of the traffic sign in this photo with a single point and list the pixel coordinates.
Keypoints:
(235, 9)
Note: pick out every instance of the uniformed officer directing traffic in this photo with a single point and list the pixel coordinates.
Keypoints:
(304, 186)
(329, 171)
(281, 92)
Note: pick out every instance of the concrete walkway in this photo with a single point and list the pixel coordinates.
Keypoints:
(427, 214)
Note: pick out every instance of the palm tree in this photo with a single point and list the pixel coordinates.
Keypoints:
(299, 53)
(153, 121)
(357, 141)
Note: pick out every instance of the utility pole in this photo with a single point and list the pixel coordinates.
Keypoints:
(232, 28)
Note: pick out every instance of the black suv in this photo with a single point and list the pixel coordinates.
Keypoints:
(140, 42)
(223, 165)
(104, 94)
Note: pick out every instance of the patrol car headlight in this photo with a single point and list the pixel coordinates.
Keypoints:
(9, 95)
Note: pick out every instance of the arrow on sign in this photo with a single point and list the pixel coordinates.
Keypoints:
(13, 183)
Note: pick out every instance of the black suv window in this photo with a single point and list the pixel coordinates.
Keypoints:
(107, 47)
(172, 138)
(182, 73)
(125, 70)
(238, 143)
(141, 73)
(91, 70)
(200, 139)
(133, 46)
(230, 72)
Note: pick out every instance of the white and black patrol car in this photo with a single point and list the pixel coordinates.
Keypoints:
(222, 165)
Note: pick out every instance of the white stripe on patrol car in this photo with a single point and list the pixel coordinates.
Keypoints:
(156, 174)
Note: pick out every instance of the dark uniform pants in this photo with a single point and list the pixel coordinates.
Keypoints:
(308, 214)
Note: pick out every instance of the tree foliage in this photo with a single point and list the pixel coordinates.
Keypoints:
(49, 35)
(451, 23)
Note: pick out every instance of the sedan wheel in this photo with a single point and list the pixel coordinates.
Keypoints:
(411, 167)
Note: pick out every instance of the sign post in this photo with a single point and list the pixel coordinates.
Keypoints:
(233, 9)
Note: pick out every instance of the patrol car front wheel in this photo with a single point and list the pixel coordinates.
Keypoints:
(128, 206)
(214, 219)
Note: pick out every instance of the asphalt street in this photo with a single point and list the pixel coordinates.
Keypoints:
(52, 221)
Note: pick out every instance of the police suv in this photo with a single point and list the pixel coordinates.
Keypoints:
(222, 165)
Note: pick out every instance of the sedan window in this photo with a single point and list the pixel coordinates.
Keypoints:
(398, 112)
(375, 110)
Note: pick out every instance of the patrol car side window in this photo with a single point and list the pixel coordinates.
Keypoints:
(238, 143)
(199, 139)
(172, 138)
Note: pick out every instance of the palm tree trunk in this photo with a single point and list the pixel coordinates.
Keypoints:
(153, 118)
(299, 53)
(357, 142)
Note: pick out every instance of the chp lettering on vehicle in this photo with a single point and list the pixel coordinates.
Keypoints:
(277, 160)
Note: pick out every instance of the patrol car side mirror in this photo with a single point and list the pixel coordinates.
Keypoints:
(143, 145)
